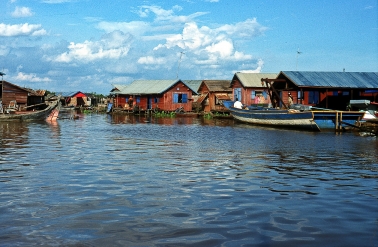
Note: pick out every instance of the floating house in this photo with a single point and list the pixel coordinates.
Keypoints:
(76, 99)
(332, 90)
(248, 88)
(212, 94)
(165, 95)
(20, 98)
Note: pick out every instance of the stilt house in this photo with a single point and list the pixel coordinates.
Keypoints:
(76, 99)
(212, 94)
(248, 88)
(20, 97)
(332, 90)
(165, 95)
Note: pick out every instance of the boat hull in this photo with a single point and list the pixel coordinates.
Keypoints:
(301, 120)
(274, 117)
(32, 115)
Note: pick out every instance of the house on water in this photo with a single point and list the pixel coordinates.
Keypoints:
(332, 90)
(164, 95)
(20, 98)
(248, 89)
(212, 94)
(76, 99)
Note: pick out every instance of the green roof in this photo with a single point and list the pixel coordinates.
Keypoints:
(140, 87)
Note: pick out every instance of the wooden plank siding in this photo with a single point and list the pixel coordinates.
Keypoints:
(332, 90)
(215, 91)
(249, 88)
(163, 101)
(12, 92)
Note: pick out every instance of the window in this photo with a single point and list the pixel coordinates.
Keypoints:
(180, 98)
(237, 94)
(265, 95)
(138, 99)
(156, 100)
(299, 93)
(313, 97)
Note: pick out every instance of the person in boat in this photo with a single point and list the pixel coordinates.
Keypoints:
(238, 104)
(290, 99)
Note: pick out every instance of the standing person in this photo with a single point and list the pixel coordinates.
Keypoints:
(290, 99)
(238, 104)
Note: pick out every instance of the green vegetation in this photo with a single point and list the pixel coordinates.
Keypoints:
(216, 114)
(208, 116)
(164, 114)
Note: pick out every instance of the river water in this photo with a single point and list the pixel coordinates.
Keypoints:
(135, 181)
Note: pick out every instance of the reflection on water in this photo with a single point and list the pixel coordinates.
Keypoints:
(122, 180)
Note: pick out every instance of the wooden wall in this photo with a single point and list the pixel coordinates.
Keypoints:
(165, 101)
(246, 94)
(11, 92)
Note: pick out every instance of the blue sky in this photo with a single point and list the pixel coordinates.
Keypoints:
(90, 45)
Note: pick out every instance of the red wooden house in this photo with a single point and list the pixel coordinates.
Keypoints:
(165, 95)
(332, 90)
(22, 97)
(212, 94)
(76, 99)
(248, 89)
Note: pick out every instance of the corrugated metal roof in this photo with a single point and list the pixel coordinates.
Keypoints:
(218, 85)
(139, 87)
(332, 79)
(253, 79)
(68, 94)
(193, 84)
(118, 87)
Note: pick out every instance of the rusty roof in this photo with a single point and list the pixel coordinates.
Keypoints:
(218, 85)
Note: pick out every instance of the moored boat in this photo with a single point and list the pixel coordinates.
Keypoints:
(273, 117)
(49, 113)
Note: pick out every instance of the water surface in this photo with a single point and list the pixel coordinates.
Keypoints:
(136, 181)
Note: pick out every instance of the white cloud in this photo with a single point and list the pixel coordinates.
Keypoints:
(163, 15)
(136, 28)
(22, 12)
(151, 60)
(31, 78)
(211, 44)
(248, 28)
(224, 48)
(21, 30)
(112, 46)
(260, 65)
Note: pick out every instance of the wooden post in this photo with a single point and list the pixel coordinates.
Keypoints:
(337, 121)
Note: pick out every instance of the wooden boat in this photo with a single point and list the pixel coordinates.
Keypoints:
(273, 117)
(50, 113)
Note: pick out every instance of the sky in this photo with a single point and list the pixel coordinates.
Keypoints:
(92, 45)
